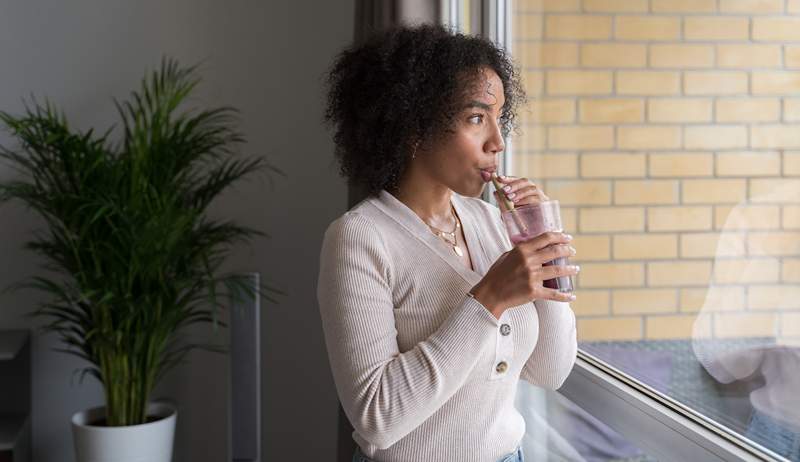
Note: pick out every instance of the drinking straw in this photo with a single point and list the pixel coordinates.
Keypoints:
(508, 203)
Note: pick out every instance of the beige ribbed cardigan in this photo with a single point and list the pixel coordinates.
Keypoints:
(414, 359)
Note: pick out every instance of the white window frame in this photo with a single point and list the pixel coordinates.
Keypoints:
(663, 427)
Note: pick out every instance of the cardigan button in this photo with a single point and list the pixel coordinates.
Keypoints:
(502, 366)
(505, 329)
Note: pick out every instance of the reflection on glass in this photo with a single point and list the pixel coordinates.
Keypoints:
(669, 131)
(556, 429)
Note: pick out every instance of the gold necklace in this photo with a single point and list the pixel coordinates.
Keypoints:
(450, 236)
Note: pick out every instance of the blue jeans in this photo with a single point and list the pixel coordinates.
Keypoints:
(515, 456)
(772, 434)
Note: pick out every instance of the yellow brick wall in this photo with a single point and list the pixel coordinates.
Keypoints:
(650, 120)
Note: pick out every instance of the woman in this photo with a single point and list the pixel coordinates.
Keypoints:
(425, 305)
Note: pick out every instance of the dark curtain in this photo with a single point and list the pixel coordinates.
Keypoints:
(373, 16)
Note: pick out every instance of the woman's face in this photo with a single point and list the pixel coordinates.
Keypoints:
(464, 158)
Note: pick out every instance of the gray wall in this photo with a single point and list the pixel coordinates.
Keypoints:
(264, 57)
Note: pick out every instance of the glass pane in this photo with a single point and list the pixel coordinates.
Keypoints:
(556, 429)
(670, 132)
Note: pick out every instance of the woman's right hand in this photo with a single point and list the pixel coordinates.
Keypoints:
(517, 275)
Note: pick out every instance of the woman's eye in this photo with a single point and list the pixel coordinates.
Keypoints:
(475, 119)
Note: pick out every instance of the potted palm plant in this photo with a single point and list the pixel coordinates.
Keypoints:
(131, 255)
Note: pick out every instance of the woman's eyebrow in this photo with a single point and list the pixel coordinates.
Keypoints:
(478, 104)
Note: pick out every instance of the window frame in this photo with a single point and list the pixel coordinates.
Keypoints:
(663, 427)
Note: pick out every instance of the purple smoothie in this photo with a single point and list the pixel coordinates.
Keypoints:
(531, 221)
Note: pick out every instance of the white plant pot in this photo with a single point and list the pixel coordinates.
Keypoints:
(149, 442)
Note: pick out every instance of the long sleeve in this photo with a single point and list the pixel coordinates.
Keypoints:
(386, 394)
(554, 355)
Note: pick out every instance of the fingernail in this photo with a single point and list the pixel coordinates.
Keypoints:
(572, 250)
(568, 236)
(510, 195)
(506, 188)
(576, 268)
(502, 177)
(572, 297)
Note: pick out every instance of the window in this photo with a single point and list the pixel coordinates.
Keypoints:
(669, 130)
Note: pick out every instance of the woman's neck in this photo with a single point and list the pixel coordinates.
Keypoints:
(428, 199)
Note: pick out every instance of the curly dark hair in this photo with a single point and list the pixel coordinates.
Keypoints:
(403, 88)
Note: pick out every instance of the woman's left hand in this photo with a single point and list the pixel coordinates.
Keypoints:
(520, 191)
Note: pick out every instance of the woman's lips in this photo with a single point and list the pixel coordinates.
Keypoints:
(486, 175)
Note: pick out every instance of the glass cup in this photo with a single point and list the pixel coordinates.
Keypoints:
(528, 221)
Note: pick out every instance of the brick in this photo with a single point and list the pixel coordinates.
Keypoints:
(682, 164)
(748, 56)
(611, 219)
(615, 6)
(569, 218)
(745, 270)
(714, 298)
(646, 192)
(586, 137)
(644, 301)
(743, 217)
(645, 246)
(679, 218)
(791, 163)
(790, 217)
(781, 29)
(792, 57)
(577, 27)
(716, 28)
(614, 55)
(775, 243)
(681, 56)
(591, 247)
(776, 83)
(533, 81)
(679, 110)
(773, 297)
(647, 28)
(528, 26)
(579, 82)
(715, 137)
(749, 163)
(676, 327)
(545, 166)
(649, 137)
(684, 6)
(591, 303)
(603, 275)
(551, 110)
(548, 54)
(790, 325)
(714, 191)
(773, 190)
(533, 138)
(547, 5)
(715, 83)
(686, 273)
(790, 270)
(616, 328)
(751, 6)
(705, 245)
(648, 83)
(583, 192)
(775, 136)
(610, 165)
(744, 325)
(748, 109)
(791, 109)
(611, 110)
